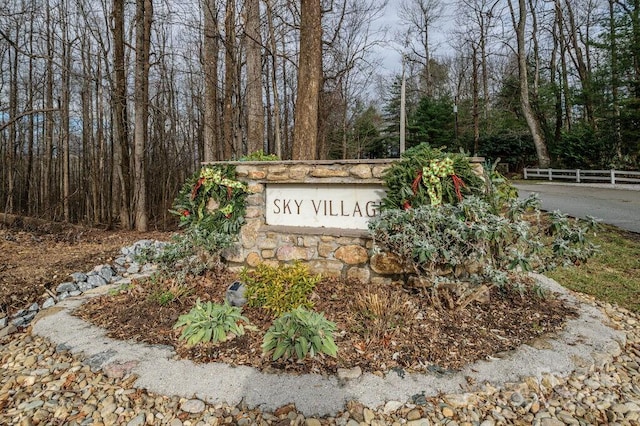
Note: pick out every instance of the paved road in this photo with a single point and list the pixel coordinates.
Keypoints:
(619, 206)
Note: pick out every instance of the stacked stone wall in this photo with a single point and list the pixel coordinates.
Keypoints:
(328, 251)
(346, 253)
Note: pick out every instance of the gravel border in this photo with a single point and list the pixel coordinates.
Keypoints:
(586, 342)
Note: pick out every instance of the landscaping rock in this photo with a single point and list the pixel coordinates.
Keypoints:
(66, 287)
(48, 303)
(106, 272)
(96, 281)
(79, 277)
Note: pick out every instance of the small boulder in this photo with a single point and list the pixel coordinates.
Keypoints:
(66, 287)
(106, 272)
(96, 281)
(78, 277)
(84, 286)
(48, 303)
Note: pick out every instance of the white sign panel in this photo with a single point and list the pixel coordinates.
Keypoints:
(346, 206)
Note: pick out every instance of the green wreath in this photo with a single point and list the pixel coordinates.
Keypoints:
(429, 176)
(212, 199)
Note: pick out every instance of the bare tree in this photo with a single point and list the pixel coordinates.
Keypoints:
(309, 81)
(419, 16)
(211, 51)
(532, 121)
(274, 80)
(349, 64)
(144, 14)
(253, 48)
(230, 79)
(121, 167)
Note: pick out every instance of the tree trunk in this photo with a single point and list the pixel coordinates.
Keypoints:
(121, 169)
(50, 121)
(253, 48)
(555, 84)
(144, 13)
(12, 140)
(274, 82)
(476, 107)
(229, 81)
(211, 49)
(65, 99)
(532, 121)
(617, 131)
(583, 71)
(309, 79)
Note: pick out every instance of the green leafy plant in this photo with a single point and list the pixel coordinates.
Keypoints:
(456, 251)
(259, 155)
(210, 322)
(300, 333)
(192, 252)
(424, 172)
(498, 189)
(122, 288)
(279, 289)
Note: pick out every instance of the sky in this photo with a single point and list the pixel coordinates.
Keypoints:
(390, 54)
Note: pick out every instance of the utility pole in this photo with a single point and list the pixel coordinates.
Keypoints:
(402, 110)
(455, 114)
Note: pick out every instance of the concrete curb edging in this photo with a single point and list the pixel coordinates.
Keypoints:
(584, 343)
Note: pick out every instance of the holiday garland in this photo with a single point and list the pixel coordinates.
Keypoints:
(212, 199)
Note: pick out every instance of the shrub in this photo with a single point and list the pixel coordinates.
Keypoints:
(210, 322)
(259, 155)
(279, 289)
(192, 252)
(459, 250)
(300, 333)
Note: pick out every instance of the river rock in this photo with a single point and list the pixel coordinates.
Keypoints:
(192, 406)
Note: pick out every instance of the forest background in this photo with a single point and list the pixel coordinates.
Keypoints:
(107, 106)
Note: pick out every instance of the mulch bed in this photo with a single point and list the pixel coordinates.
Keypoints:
(378, 328)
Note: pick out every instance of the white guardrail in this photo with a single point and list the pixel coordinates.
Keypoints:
(577, 175)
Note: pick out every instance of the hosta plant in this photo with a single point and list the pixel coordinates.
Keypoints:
(211, 322)
(300, 333)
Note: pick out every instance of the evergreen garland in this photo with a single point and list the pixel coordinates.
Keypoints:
(406, 186)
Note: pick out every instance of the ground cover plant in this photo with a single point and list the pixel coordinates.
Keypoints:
(303, 323)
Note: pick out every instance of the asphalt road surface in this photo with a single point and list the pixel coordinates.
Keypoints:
(618, 206)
